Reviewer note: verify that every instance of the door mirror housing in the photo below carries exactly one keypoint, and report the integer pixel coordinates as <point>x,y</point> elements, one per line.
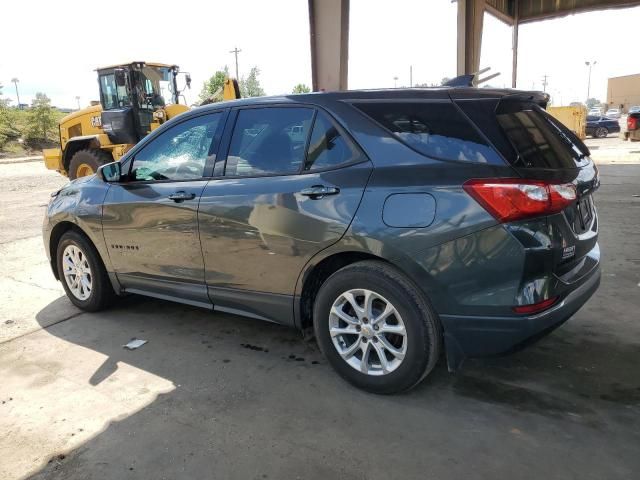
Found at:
<point>121,77</point>
<point>111,172</point>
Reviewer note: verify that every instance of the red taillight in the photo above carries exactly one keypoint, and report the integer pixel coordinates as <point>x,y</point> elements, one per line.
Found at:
<point>536,307</point>
<point>632,123</point>
<point>509,199</point>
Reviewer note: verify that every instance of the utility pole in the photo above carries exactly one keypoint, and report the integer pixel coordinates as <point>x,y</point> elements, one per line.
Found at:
<point>15,82</point>
<point>395,82</point>
<point>410,76</point>
<point>78,100</point>
<point>589,64</point>
<point>544,82</point>
<point>235,51</point>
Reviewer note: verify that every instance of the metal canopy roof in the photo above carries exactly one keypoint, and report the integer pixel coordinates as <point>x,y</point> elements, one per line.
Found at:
<point>532,10</point>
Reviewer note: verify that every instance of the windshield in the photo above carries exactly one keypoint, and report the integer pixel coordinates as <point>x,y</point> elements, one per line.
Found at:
<point>113,96</point>
<point>155,87</point>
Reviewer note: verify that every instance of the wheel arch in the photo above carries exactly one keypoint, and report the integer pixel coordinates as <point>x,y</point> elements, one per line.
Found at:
<point>54,239</point>
<point>316,274</point>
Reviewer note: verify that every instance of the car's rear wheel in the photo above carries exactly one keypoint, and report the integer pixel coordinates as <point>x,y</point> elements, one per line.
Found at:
<point>601,132</point>
<point>83,276</point>
<point>375,328</point>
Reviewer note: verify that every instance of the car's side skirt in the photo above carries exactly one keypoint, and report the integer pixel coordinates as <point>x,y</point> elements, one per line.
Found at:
<point>271,307</point>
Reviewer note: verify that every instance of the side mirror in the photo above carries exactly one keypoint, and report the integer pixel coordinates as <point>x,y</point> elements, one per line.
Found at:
<point>111,172</point>
<point>121,77</point>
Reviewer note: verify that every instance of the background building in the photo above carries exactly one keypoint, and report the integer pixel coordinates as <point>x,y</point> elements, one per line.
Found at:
<point>623,92</point>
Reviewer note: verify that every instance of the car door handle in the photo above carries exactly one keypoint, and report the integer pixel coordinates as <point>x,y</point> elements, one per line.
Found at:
<point>319,191</point>
<point>182,196</point>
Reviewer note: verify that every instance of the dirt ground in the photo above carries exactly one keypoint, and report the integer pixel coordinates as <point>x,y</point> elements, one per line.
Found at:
<point>220,396</point>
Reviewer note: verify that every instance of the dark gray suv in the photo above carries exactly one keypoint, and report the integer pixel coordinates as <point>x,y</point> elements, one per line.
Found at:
<point>397,224</point>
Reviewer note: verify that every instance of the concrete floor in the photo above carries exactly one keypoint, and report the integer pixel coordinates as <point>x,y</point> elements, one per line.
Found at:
<point>219,396</point>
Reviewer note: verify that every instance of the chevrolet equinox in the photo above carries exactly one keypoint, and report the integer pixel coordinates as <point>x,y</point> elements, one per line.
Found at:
<point>397,224</point>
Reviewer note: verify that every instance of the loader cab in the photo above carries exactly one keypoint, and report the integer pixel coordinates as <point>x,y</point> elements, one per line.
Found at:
<point>134,98</point>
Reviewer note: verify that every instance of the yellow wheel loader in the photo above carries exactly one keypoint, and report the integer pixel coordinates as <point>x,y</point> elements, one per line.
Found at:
<point>135,99</point>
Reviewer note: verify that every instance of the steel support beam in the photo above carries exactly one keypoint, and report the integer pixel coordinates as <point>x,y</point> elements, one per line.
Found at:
<point>470,20</point>
<point>514,45</point>
<point>329,34</point>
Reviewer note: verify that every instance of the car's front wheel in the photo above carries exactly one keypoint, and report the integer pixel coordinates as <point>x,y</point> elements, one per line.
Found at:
<point>375,328</point>
<point>83,276</point>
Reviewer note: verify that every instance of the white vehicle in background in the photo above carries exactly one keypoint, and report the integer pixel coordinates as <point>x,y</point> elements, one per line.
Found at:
<point>634,109</point>
<point>595,112</point>
<point>613,113</point>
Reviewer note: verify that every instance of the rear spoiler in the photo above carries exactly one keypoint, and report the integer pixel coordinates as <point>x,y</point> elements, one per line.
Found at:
<point>539,98</point>
<point>502,95</point>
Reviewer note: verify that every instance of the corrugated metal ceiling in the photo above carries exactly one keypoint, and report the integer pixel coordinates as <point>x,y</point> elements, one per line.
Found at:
<point>531,10</point>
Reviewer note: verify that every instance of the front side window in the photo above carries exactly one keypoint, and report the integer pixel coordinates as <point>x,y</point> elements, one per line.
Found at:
<point>435,129</point>
<point>268,141</point>
<point>327,147</point>
<point>179,153</point>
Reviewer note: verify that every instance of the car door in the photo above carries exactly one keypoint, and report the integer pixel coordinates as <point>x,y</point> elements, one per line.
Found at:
<point>292,182</point>
<point>150,218</point>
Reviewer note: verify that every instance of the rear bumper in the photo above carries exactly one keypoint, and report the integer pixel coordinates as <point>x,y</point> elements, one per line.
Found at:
<point>471,336</point>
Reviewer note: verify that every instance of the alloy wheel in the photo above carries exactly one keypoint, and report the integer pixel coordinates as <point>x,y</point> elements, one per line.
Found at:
<point>77,272</point>
<point>368,332</point>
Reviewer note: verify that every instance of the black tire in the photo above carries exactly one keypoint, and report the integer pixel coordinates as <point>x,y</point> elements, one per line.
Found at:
<point>93,158</point>
<point>102,294</point>
<point>601,132</point>
<point>423,332</point>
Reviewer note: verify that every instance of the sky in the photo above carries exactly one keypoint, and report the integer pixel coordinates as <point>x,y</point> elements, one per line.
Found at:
<point>54,47</point>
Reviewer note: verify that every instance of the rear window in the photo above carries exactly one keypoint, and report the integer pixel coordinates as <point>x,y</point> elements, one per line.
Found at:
<point>539,139</point>
<point>437,130</point>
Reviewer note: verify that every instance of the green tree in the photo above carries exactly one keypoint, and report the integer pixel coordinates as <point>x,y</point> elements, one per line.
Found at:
<point>8,130</point>
<point>301,88</point>
<point>592,102</point>
<point>250,86</point>
<point>212,89</point>
<point>41,119</point>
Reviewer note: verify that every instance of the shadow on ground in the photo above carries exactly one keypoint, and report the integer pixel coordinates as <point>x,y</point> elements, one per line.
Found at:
<point>254,400</point>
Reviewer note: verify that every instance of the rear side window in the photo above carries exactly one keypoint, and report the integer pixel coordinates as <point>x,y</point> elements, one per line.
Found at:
<point>327,147</point>
<point>269,141</point>
<point>539,140</point>
<point>437,130</point>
